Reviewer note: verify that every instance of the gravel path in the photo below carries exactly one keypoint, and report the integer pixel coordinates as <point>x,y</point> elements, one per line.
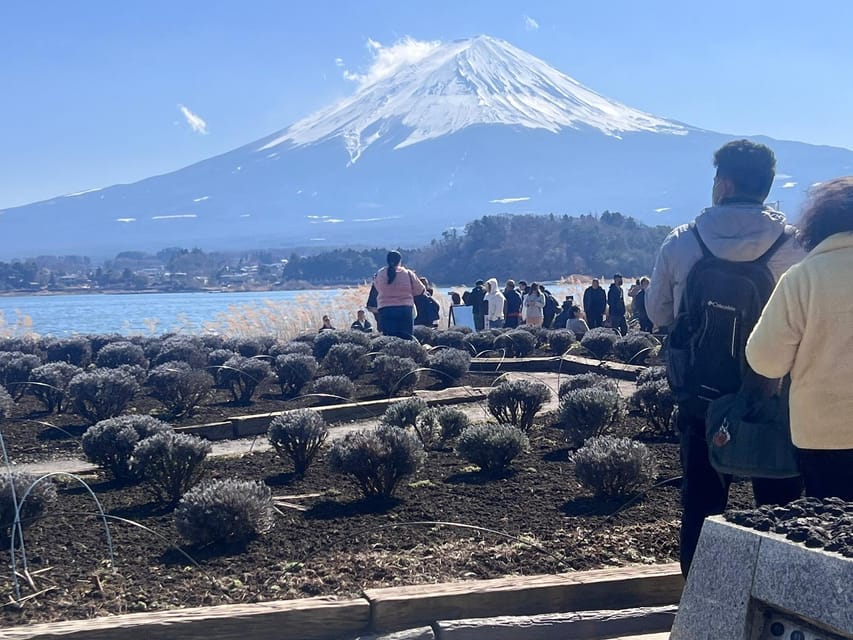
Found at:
<point>476,411</point>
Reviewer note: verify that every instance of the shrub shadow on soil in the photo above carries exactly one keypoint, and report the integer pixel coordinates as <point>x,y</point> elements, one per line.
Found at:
<point>172,556</point>
<point>281,480</point>
<point>331,510</point>
<point>478,477</point>
<point>557,455</point>
<point>591,506</point>
<point>70,432</point>
<point>135,512</point>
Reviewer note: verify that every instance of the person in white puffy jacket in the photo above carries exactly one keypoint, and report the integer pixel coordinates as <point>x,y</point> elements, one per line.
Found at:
<point>495,302</point>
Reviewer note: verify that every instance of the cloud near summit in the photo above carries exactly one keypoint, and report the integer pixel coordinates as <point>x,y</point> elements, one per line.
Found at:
<point>386,60</point>
<point>195,121</point>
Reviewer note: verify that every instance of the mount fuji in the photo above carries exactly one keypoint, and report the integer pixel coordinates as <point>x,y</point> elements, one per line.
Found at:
<point>473,127</point>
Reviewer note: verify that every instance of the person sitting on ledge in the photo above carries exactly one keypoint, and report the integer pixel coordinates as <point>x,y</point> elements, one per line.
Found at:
<point>327,325</point>
<point>362,323</point>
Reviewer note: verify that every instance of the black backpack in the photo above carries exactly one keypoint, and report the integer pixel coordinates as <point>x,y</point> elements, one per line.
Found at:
<point>721,305</point>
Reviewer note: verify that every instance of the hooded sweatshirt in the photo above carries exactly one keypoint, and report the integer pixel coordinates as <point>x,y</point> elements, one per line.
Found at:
<point>739,232</point>
<point>495,300</point>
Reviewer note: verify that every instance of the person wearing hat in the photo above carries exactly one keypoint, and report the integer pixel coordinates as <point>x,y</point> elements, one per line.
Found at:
<point>616,302</point>
<point>478,308</point>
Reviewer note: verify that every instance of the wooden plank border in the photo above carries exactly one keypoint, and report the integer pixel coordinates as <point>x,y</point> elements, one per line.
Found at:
<point>381,610</point>
<point>306,619</point>
<point>618,588</point>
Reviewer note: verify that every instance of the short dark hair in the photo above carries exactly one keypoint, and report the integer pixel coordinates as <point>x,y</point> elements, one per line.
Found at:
<point>749,166</point>
<point>828,211</point>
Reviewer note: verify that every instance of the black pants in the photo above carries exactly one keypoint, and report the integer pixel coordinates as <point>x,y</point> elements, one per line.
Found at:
<point>479,321</point>
<point>828,473</point>
<point>619,323</point>
<point>397,321</point>
<point>645,324</point>
<point>594,320</point>
<point>704,492</point>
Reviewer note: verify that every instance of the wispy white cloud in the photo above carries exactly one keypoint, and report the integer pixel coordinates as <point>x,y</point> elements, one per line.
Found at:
<point>530,24</point>
<point>662,209</point>
<point>789,185</point>
<point>175,217</point>
<point>385,60</point>
<point>195,121</point>
<point>339,62</point>
<point>509,200</point>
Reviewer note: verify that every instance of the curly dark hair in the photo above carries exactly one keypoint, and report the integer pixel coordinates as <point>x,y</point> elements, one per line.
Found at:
<point>828,211</point>
<point>749,166</point>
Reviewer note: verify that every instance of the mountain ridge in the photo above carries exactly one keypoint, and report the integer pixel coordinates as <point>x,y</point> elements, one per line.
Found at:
<point>509,135</point>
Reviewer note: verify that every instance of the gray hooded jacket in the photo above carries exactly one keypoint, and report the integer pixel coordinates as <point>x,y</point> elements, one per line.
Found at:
<point>740,232</point>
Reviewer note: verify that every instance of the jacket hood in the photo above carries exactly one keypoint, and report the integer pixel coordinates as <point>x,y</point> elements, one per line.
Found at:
<point>492,286</point>
<point>740,232</point>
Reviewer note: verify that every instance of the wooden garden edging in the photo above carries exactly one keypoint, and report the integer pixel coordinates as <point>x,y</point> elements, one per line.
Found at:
<point>558,364</point>
<point>257,424</point>
<point>620,588</point>
<point>380,610</point>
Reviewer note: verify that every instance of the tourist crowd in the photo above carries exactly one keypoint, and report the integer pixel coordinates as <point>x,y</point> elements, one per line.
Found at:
<point>758,317</point>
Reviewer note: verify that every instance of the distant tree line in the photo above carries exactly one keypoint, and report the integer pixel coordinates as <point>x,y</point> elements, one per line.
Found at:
<point>505,246</point>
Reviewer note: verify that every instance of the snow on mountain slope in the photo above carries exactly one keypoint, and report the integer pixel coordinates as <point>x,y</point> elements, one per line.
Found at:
<point>482,80</point>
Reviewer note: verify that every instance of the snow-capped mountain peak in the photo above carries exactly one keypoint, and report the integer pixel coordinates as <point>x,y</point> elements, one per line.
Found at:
<point>458,84</point>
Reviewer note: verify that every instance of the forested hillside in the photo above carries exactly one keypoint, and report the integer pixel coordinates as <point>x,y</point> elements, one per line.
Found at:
<point>506,246</point>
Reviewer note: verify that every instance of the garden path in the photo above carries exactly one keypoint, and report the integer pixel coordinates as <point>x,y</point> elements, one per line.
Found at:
<point>475,411</point>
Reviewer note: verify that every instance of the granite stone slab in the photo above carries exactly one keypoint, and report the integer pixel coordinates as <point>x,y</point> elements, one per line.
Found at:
<point>715,601</point>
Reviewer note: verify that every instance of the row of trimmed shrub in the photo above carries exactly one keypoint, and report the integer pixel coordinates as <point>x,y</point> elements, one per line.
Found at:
<point>182,387</point>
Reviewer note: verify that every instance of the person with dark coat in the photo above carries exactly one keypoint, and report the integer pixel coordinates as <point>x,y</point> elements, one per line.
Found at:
<point>639,306</point>
<point>427,310</point>
<point>551,309</point>
<point>327,325</point>
<point>476,300</point>
<point>616,302</point>
<point>362,323</point>
<point>594,304</point>
<point>512,306</point>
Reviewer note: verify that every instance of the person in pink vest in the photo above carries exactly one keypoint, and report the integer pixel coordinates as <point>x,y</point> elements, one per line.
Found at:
<point>396,289</point>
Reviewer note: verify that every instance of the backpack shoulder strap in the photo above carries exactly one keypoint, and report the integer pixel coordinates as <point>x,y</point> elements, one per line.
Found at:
<point>787,234</point>
<point>706,252</point>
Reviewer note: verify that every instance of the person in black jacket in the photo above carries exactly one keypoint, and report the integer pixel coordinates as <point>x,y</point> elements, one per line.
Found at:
<point>594,304</point>
<point>512,306</point>
<point>552,307</point>
<point>427,310</point>
<point>616,302</point>
<point>639,306</point>
<point>478,308</point>
<point>362,323</point>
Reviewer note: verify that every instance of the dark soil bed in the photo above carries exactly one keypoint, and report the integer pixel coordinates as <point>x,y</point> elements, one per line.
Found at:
<point>34,435</point>
<point>341,545</point>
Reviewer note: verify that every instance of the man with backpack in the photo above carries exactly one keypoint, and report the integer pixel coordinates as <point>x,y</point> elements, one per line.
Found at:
<point>711,280</point>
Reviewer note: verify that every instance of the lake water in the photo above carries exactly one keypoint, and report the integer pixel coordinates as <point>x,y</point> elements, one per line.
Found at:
<point>137,313</point>
<point>150,313</point>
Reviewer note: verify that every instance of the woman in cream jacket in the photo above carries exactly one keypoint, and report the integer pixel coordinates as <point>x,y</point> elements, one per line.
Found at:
<point>806,330</point>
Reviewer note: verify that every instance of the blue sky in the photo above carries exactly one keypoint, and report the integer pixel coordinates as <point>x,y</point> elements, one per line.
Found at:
<point>92,89</point>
